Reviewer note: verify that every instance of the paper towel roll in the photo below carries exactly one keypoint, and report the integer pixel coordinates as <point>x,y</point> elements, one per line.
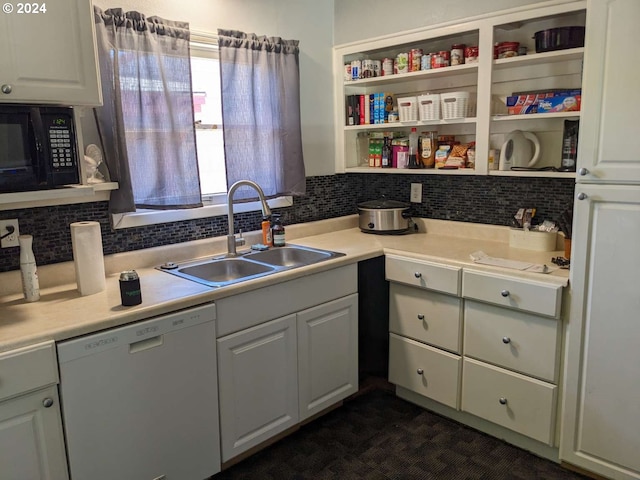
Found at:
<point>88,260</point>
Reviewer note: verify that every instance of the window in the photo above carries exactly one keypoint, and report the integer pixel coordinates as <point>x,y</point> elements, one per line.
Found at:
<point>207,110</point>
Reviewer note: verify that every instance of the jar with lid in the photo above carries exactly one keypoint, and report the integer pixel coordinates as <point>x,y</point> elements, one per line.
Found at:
<point>457,54</point>
<point>277,232</point>
<point>471,54</point>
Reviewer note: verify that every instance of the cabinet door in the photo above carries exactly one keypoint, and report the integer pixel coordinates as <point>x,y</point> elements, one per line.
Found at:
<point>327,354</point>
<point>258,384</point>
<point>55,65</point>
<point>31,442</point>
<point>601,382</point>
<point>608,147</point>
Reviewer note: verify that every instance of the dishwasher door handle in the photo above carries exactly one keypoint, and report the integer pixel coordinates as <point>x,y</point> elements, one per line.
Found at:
<point>146,344</point>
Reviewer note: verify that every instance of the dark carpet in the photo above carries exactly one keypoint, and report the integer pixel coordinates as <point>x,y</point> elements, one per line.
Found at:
<point>379,436</point>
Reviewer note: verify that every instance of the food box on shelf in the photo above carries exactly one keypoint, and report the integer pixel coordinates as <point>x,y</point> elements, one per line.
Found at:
<point>523,103</point>
<point>564,103</point>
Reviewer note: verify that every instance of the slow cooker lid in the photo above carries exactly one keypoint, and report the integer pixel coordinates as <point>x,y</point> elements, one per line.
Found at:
<point>383,203</point>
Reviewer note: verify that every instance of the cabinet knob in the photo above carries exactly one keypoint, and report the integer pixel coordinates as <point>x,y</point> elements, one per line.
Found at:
<point>583,171</point>
<point>503,401</point>
<point>420,371</point>
<point>420,316</point>
<point>6,88</point>
<point>417,275</point>
<point>47,402</point>
<point>582,196</point>
<point>504,293</point>
<point>506,340</point>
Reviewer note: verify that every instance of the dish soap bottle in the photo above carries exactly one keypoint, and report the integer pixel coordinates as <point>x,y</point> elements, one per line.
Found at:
<point>28,269</point>
<point>266,231</point>
<point>277,232</point>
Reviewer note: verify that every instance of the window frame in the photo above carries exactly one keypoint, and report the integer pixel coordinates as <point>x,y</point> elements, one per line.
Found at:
<point>213,205</point>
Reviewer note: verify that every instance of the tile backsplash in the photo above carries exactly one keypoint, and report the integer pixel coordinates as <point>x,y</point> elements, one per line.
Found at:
<point>477,199</point>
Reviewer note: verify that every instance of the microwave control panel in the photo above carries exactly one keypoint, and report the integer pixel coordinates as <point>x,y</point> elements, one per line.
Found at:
<point>62,155</point>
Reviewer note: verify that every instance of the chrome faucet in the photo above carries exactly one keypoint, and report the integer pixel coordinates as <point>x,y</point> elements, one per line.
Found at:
<point>232,241</point>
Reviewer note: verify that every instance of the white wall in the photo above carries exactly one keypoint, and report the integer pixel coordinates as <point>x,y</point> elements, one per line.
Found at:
<point>362,19</point>
<point>309,21</point>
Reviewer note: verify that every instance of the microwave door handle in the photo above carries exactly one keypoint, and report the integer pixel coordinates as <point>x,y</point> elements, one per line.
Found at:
<point>38,130</point>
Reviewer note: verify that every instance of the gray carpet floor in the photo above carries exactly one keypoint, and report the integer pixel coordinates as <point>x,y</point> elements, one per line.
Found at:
<point>379,436</point>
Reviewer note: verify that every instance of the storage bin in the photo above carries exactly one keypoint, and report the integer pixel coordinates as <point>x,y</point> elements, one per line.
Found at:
<point>454,105</point>
<point>408,109</point>
<point>429,107</point>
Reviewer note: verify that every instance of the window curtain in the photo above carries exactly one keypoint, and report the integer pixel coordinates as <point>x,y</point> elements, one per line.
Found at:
<point>146,122</point>
<point>260,82</point>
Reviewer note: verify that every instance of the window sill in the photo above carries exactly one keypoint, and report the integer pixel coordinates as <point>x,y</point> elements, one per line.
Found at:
<point>153,217</point>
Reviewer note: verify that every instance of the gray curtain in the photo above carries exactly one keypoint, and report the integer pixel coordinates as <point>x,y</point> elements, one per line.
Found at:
<point>260,81</point>
<point>146,122</point>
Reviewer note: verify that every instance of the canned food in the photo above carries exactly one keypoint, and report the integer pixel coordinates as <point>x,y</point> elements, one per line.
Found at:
<point>471,54</point>
<point>347,72</point>
<point>367,69</point>
<point>387,66</point>
<point>356,66</point>
<point>425,61</point>
<point>457,54</point>
<point>415,56</point>
<point>440,59</point>
<point>377,68</point>
<point>402,63</point>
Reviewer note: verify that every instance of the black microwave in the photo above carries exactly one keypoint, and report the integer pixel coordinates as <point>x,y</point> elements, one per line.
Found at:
<point>38,148</point>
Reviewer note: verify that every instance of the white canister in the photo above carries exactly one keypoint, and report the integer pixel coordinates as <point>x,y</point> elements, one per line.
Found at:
<point>28,269</point>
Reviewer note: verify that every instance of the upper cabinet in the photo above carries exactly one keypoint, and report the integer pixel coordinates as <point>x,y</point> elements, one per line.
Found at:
<point>609,150</point>
<point>466,102</point>
<point>48,53</point>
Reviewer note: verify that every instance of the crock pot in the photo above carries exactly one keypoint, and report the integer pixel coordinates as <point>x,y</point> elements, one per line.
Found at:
<point>559,38</point>
<point>384,216</point>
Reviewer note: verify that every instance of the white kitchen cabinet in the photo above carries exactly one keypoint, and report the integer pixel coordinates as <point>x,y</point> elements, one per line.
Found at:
<point>608,149</point>
<point>31,438</point>
<point>257,373</point>
<point>327,354</point>
<point>49,54</point>
<point>601,413</point>
<point>488,83</point>
<point>286,352</point>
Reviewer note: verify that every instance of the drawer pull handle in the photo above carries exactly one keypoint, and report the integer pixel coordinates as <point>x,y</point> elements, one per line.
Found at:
<point>47,402</point>
<point>420,316</point>
<point>417,275</point>
<point>420,371</point>
<point>504,293</point>
<point>506,340</point>
<point>503,401</point>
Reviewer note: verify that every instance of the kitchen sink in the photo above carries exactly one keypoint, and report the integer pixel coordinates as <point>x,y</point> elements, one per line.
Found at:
<point>222,271</point>
<point>292,256</point>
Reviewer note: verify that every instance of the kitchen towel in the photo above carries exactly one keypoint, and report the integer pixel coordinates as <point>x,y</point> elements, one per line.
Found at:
<point>88,260</point>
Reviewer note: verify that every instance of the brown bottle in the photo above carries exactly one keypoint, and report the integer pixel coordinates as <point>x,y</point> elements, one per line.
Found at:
<point>277,232</point>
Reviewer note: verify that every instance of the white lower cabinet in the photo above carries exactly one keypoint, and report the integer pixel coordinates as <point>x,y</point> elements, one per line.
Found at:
<point>273,374</point>
<point>258,384</point>
<point>31,438</point>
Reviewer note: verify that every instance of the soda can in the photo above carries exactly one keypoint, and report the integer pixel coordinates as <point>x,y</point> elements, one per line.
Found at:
<point>356,66</point>
<point>347,72</point>
<point>387,66</point>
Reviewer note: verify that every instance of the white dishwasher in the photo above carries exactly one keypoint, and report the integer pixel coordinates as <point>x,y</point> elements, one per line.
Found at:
<point>140,402</point>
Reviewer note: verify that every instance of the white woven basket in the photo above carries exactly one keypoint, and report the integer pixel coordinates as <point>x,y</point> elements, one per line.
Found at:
<point>454,105</point>
<point>429,107</point>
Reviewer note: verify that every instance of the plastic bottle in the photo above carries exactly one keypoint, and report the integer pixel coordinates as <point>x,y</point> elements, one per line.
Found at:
<point>277,232</point>
<point>266,231</point>
<point>413,149</point>
<point>28,269</point>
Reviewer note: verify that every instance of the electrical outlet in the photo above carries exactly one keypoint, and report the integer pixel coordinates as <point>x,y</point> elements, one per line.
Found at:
<point>10,240</point>
<point>416,193</point>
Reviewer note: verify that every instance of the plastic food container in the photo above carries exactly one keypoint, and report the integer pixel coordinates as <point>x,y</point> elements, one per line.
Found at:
<point>508,49</point>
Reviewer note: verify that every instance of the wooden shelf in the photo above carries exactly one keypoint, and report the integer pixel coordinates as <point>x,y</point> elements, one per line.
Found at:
<point>387,126</point>
<point>536,116</point>
<point>539,58</point>
<point>57,196</point>
<point>421,74</point>
<point>411,171</point>
<point>536,173</point>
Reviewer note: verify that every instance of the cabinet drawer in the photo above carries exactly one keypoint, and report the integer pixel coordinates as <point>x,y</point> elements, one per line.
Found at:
<point>517,402</point>
<point>423,274</point>
<point>425,370</point>
<point>527,295</point>
<point>516,340</point>
<point>426,316</point>
<point>27,368</point>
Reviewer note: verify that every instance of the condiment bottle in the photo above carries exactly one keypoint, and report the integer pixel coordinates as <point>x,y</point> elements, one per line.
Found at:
<point>266,231</point>
<point>413,149</point>
<point>277,232</point>
<point>28,269</point>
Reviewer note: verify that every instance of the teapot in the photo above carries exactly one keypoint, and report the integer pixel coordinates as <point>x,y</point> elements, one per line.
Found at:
<point>521,149</point>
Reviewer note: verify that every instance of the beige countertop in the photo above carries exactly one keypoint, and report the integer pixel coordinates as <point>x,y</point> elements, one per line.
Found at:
<point>62,313</point>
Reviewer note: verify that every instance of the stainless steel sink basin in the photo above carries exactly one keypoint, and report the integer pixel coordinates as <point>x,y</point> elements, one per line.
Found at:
<point>292,256</point>
<point>220,272</point>
<point>223,271</point>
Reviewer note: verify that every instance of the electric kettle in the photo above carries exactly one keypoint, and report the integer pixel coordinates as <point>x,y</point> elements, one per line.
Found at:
<point>521,149</point>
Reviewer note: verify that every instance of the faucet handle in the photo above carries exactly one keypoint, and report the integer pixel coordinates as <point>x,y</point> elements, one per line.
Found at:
<point>240,239</point>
